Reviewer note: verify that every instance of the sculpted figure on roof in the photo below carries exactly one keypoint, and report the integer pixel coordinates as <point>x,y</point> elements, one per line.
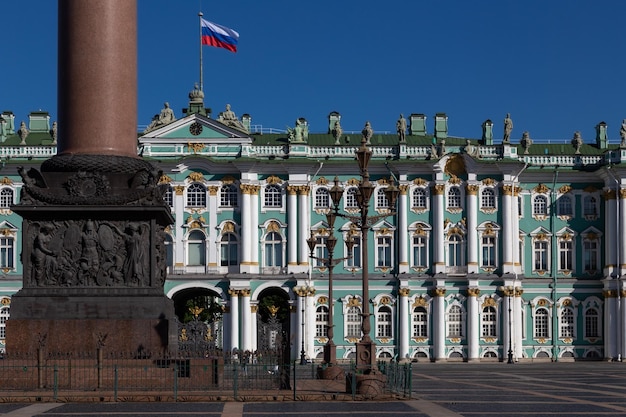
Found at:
<point>622,133</point>
<point>367,132</point>
<point>577,142</point>
<point>229,118</point>
<point>166,116</point>
<point>401,128</point>
<point>23,133</point>
<point>508,128</point>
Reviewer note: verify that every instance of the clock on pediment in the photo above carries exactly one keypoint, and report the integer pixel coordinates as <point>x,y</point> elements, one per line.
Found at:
<point>195,128</point>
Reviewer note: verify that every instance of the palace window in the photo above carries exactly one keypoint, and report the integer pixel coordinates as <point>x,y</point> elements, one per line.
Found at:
<point>196,248</point>
<point>381,199</point>
<point>229,196</point>
<point>567,322</point>
<point>6,198</point>
<point>590,206</point>
<point>383,251</point>
<point>4,316</point>
<point>489,323</point>
<point>418,200</point>
<point>321,251</point>
<point>565,255</point>
<point>488,198</point>
<point>354,257</point>
<point>169,252</point>
<point>455,321</point>
<point>322,198</point>
<point>564,206</point>
<point>541,254</point>
<point>419,251</point>
<point>273,250</point>
<point>273,197</point>
<point>321,321</point>
<point>454,197</point>
<point>351,202</point>
<point>488,251</point>
<point>420,322</point>
<point>229,250</point>
<point>541,323</point>
<point>7,252</point>
<point>591,255</point>
<point>383,322</point>
<point>353,322</point>
<point>196,195</point>
<point>592,323</point>
<point>168,196</point>
<point>540,205</point>
<point>455,250</point>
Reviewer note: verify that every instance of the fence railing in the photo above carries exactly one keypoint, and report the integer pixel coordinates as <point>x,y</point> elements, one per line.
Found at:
<point>176,378</point>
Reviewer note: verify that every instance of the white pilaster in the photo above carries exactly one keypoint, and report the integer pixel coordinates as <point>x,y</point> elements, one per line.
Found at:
<point>212,243</point>
<point>292,227</point>
<point>246,228</point>
<point>246,320</point>
<point>253,323</point>
<point>310,324</point>
<point>517,324</point>
<point>473,324</point>
<point>610,322</point>
<point>254,229</point>
<point>234,319</point>
<point>472,224</point>
<point>438,238</point>
<point>508,217</point>
<point>403,230</point>
<point>439,325</point>
<point>304,225</point>
<point>404,324</point>
<point>611,234</point>
<point>179,217</point>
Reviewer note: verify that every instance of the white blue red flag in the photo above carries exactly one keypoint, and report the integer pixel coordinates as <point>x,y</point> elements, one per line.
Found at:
<point>219,36</point>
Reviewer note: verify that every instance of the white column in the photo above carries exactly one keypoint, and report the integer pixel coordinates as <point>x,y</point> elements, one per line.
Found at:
<point>253,323</point>
<point>472,224</point>
<point>611,233</point>
<point>610,322</point>
<point>212,243</point>
<point>517,262</point>
<point>246,228</point>
<point>473,324</point>
<point>508,243</point>
<point>254,230</point>
<point>234,319</point>
<point>517,324</point>
<point>310,324</point>
<point>438,238</point>
<point>300,335</point>
<point>621,206</point>
<point>179,217</point>
<point>246,321</point>
<point>305,223</point>
<point>403,230</point>
<point>439,325</point>
<point>292,227</point>
<point>508,294</point>
<point>404,324</point>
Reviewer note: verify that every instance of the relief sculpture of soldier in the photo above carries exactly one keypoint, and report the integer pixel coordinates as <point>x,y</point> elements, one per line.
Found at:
<point>44,259</point>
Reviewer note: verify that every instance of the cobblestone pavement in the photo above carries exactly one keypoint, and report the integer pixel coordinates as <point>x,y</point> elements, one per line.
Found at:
<point>440,390</point>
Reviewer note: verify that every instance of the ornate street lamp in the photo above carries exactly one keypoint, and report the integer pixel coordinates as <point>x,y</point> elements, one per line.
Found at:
<point>330,349</point>
<point>365,348</point>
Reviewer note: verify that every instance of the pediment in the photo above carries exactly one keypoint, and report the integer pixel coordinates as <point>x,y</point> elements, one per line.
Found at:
<point>198,129</point>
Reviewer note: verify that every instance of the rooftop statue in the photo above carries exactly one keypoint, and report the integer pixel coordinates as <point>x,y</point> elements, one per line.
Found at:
<point>508,128</point>
<point>367,133</point>
<point>337,132</point>
<point>229,118</point>
<point>577,142</point>
<point>622,134</point>
<point>23,133</point>
<point>166,116</point>
<point>53,133</point>
<point>401,128</point>
<point>300,133</point>
<point>526,142</point>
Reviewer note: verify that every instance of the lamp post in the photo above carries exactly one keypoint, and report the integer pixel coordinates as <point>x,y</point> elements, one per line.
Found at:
<point>365,348</point>
<point>330,349</point>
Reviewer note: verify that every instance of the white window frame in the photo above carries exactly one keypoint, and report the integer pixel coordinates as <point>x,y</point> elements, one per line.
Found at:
<point>202,247</point>
<point>542,324</point>
<point>419,199</point>
<point>384,322</point>
<point>567,322</point>
<point>419,322</point>
<point>229,196</point>
<point>455,328</point>
<point>273,197</point>
<point>322,198</point>
<point>196,195</point>
<point>489,322</point>
<point>321,321</point>
<point>540,206</point>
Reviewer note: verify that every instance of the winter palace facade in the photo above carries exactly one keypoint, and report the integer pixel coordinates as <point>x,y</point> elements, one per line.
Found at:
<point>495,249</point>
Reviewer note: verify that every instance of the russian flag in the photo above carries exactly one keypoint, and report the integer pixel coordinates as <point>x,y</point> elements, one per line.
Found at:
<point>219,36</point>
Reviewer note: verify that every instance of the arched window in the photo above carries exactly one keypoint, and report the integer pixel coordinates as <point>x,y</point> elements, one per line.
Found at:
<point>488,198</point>
<point>383,251</point>
<point>196,248</point>
<point>353,322</point>
<point>354,257</point>
<point>169,252</point>
<point>455,321</point>
<point>418,200</point>
<point>229,250</point>
<point>542,323</point>
<point>454,197</point>
<point>567,322</point>
<point>419,246</point>
<point>351,202</point>
<point>488,251</point>
<point>273,250</point>
<point>455,250</point>
<point>322,198</point>
<point>420,322</point>
<point>6,197</point>
<point>273,196</point>
<point>592,323</point>
<point>383,322</point>
<point>590,206</point>
<point>196,195</point>
<point>488,325</point>
<point>229,196</point>
<point>540,205</point>
<point>381,199</point>
<point>321,321</point>
<point>564,206</point>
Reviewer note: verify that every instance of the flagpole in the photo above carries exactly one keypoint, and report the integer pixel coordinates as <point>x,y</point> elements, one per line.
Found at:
<point>200,22</point>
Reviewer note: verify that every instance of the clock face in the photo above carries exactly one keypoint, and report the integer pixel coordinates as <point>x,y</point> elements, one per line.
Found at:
<point>195,128</point>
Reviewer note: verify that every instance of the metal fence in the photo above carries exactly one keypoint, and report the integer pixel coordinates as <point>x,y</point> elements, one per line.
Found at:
<point>205,377</point>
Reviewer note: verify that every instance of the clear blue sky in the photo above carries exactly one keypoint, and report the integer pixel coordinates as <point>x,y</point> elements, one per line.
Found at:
<point>556,66</point>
